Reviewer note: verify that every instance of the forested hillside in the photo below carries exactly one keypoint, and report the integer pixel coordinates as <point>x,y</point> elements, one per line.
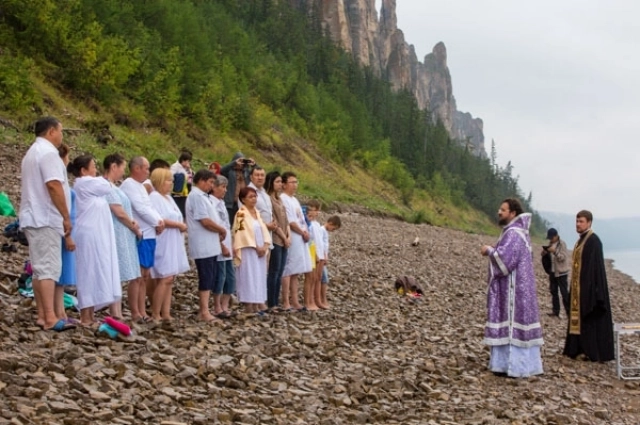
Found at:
<point>255,74</point>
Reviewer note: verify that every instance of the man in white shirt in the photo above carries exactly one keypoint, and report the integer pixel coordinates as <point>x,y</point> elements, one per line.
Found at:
<point>44,216</point>
<point>205,235</point>
<point>263,205</point>
<point>150,224</point>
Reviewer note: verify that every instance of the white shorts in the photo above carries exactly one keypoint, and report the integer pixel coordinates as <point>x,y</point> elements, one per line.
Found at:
<point>45,252</point>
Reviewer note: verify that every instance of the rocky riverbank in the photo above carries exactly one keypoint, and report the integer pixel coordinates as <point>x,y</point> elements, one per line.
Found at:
<point>376,357</point>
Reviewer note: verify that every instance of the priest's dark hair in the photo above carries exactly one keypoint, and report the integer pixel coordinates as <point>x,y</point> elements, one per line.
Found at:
<point>586,214</point>
<point>514,205</point>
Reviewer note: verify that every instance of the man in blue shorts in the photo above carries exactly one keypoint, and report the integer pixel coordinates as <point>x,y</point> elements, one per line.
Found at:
<point>151,224</point>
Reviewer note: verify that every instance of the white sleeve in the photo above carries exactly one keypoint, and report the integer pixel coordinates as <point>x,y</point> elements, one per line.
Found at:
<point>141,204</point>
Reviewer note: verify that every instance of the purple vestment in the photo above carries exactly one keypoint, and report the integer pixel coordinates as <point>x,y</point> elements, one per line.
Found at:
<point>512,303</point>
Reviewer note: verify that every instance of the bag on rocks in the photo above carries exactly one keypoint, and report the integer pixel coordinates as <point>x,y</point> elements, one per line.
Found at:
<point>408,285</point>
<point>24,281</point>
<point>6,208</point>
<point>13,232</point>
<point>546,263</point>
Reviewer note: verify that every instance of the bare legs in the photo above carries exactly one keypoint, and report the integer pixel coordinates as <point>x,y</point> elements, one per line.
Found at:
<point>204,314</point>
<point>317,286</point>
<point>87,317</point>
<point>137,293</point>
<point>58,303</point>
<point>290,292</point>
<point>221,303</point>
<point>323,295</point>
<point>286,304</point>
<point>309,289</point>
<point>44,293</point>
<point>115,310</point>
<point>161,301</point>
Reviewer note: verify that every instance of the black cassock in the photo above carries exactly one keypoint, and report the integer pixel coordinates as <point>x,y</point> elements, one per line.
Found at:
<point>596,325</point>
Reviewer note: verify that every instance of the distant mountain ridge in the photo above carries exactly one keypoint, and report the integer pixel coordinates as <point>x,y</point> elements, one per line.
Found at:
<point>380,44</point>
<point>616,233</point>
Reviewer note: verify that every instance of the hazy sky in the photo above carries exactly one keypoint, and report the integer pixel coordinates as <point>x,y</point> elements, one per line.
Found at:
<point>557,84</point>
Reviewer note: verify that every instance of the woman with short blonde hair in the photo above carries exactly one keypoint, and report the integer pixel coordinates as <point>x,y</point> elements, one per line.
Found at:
<point>170,256</point>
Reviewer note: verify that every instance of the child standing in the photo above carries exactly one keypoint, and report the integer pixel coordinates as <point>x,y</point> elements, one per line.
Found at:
<point>313,209</point>
<point>333,223</point>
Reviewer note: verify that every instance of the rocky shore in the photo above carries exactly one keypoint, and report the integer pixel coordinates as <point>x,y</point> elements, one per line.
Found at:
<point>375,357</point>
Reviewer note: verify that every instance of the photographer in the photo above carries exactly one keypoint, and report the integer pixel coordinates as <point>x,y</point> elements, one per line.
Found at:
<point>557,252</point>
<point>238,173</point>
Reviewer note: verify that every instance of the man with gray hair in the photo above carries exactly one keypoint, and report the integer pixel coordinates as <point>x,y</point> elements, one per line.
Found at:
<point>44,216</point>
<point>151,224</point>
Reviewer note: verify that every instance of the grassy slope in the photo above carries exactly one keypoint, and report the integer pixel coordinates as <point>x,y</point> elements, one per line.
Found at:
<point>274,147</point>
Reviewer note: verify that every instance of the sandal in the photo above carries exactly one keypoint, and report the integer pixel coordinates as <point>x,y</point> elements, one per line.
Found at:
<point>143,320</point>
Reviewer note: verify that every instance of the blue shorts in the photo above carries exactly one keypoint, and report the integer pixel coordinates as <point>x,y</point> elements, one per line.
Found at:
<point>226,279</point>
<point>207,273</point>
<point>325,276</point>
<point>146,252</point>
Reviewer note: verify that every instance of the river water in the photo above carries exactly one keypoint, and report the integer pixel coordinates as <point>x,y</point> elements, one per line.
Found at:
<point>627,261</point>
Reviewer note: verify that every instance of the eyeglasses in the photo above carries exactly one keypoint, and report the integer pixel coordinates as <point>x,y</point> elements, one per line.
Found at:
<point>292,181</point>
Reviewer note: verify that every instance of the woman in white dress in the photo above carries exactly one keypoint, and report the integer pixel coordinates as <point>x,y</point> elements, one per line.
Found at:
<point>97,270</point>
<point>125,227</point>
<point>251,242</point>
<point>171,255</point>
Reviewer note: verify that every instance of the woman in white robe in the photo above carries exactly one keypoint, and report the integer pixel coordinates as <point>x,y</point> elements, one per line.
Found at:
<point>97,270</point>
<point>251,242</point>
<point>170,255</point>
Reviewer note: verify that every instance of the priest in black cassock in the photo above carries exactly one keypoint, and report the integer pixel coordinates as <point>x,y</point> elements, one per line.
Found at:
<point>590,330</point>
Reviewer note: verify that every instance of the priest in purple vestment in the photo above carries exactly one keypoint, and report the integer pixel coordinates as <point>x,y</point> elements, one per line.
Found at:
<point>513,328</point>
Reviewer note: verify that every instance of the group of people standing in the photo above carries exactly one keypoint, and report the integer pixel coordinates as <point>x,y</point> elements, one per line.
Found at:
<point>513,329</point>
<point>99,234</point>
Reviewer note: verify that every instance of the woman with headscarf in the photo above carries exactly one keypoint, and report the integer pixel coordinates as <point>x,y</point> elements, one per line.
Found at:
<point>251,242</point>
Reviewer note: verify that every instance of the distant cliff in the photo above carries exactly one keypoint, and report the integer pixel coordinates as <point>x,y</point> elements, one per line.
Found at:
<point>380,44</point>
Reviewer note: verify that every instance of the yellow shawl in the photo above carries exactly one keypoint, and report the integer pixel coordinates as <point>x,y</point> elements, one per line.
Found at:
<point>243,235</point>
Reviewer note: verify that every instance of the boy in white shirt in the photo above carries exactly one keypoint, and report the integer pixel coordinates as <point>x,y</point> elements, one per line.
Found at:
<point>313,209</point>
<point>333,223</point>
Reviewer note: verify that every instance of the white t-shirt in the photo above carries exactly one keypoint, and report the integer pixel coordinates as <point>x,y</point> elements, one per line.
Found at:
<point>40,165</point>
<point>263,205</point>
<point>203,243</point>
<point>143,211</point>
<point>316,231</point>
<point>223,214</point>
<point>294,211</point>
<point>325,241</point>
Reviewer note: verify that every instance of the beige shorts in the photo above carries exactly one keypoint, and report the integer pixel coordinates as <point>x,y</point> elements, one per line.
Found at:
<point>45,252</point>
